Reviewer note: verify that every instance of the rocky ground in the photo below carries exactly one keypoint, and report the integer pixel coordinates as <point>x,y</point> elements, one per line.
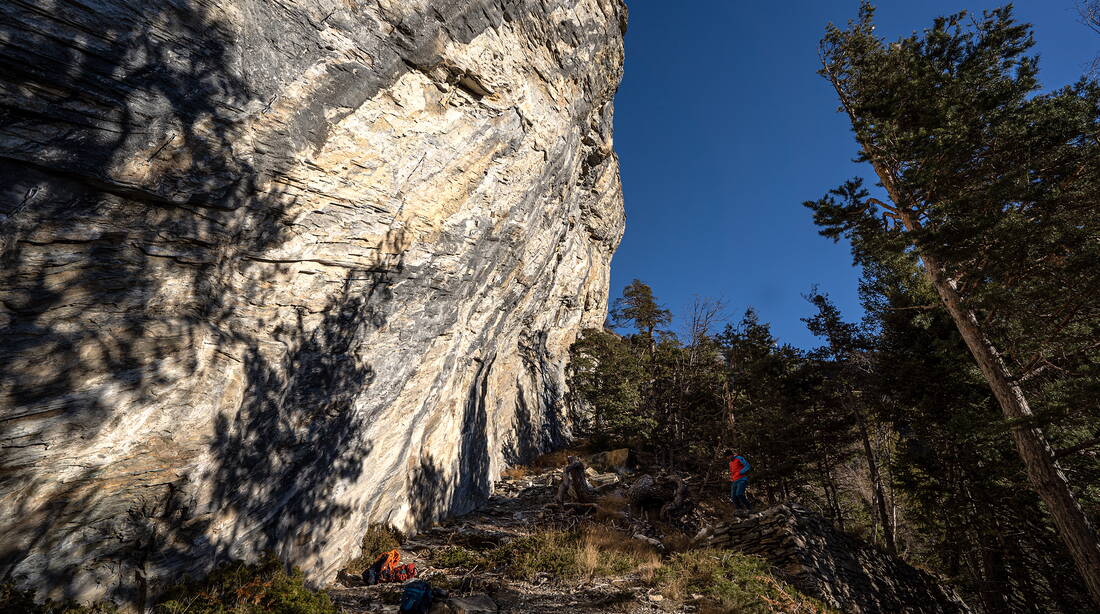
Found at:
<point>516,509</point>
<point>647,545</point>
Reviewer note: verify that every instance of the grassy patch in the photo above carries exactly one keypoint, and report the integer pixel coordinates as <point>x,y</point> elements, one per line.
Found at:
<point>376,540</point>
<point>457,556</point>
<point>237,588</point>
<point>551,552</point>
<point>592,551</point>
<point>603,551</point>
<point>735,582</point>
<point>14,600</point>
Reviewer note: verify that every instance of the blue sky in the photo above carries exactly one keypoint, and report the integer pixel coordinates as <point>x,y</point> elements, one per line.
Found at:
<point>723,129</point>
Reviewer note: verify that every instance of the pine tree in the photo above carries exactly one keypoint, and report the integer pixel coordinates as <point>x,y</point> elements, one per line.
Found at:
<point>639,309</point>
<point>964,512</point>
<point>849,365</point>
<point>995,189</point>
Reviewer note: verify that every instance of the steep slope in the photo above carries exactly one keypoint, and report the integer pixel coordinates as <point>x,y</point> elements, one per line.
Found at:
<point>273,271</point>
<point>842,571</point>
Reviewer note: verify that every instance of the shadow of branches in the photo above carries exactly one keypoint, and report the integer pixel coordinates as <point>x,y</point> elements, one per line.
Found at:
<point>298,437</point>
<point>127,205</point>
<point>431,492</point>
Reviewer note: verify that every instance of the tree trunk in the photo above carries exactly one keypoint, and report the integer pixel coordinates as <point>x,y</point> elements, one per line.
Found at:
<point>1042,469</point>
<point>831,496</point>
<point>995,586</point>
<point>876,483</point>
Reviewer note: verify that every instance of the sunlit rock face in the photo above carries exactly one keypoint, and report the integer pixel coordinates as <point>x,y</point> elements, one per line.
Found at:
<point>272,271</point>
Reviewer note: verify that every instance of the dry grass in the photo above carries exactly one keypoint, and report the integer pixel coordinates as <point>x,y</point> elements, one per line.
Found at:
<point>733,582</point>
<point>553,460</point>
<point>677,541</point>
<point>590,552</point>
<point>550,460</point>
<point>517,472</point>
<point>611,507</point>
<point>603,551</point>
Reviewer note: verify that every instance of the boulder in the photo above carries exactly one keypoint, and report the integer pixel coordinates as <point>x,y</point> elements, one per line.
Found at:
<point>618,461</point>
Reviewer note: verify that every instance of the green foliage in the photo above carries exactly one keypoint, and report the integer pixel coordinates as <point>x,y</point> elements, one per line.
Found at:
<point>607,374</point>
<point>591,550</point>
<point>376,540</point>
<point>550,552</point>
<point>997,185</point>
<point>457,556</point>
<point>741,583</point>
<point>22,602</point>
<point>956,469</point>
<point>236,588</point>
<point>652,392</point>
<point>638,308</point>
<point>992,190</point>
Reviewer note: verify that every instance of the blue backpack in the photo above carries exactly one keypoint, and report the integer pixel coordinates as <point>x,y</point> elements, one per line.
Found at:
<point>417,598</point>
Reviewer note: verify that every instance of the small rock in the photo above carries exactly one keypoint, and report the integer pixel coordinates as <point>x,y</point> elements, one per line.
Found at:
<point>656,597</point>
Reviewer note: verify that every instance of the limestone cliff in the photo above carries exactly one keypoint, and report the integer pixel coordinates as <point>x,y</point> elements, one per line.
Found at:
<point>272,271</point>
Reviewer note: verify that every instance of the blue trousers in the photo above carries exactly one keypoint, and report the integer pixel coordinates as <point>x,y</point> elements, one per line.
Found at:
<point>737,494</point>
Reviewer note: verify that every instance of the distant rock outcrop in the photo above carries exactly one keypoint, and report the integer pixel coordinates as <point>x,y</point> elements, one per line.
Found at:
<point>272,271</point>
<point>840,570</point>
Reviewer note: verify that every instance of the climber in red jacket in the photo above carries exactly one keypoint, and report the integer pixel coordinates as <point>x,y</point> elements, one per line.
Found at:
<point>739,480</point>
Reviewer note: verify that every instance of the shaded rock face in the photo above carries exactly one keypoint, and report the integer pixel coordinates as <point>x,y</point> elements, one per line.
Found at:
<point>842,571</point>
<point>272,271</point>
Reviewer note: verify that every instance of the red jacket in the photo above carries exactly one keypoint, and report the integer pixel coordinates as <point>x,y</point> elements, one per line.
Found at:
<point>739,468</point>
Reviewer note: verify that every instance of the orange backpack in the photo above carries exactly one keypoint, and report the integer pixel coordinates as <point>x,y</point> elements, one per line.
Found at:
<point>391,569</point>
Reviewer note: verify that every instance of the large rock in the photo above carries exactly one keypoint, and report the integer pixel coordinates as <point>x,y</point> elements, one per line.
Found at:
<point>842,571</point>
<point>272,271</point>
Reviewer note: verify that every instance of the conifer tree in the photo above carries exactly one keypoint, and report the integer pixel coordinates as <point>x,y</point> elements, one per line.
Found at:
<point>639,309</point>
<point>995,189</point>
<point>849,364</point>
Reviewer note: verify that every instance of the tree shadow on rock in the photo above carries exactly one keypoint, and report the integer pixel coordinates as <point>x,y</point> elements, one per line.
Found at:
<point>124,203</point>
<point>281,460</point>
<point>433,490</point>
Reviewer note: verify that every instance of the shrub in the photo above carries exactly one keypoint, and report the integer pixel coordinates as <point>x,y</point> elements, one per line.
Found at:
<point>457,556</point>
<point>737,582</point>
<point>376,540</point>
<point>263,588</point>
<point>592,551</point>
<point>551,552</point>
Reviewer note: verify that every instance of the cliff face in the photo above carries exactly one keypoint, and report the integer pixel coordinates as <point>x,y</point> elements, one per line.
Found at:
<point>272,271</point>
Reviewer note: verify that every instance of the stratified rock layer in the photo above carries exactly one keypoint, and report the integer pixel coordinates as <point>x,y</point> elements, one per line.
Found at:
<point>272,271</point>
<point>842,571</point>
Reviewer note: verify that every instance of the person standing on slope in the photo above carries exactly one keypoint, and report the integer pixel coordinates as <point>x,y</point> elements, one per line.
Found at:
<point>739,480</point>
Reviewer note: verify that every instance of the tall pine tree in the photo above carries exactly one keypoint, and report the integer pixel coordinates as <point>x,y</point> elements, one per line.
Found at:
<point>995,189</point>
